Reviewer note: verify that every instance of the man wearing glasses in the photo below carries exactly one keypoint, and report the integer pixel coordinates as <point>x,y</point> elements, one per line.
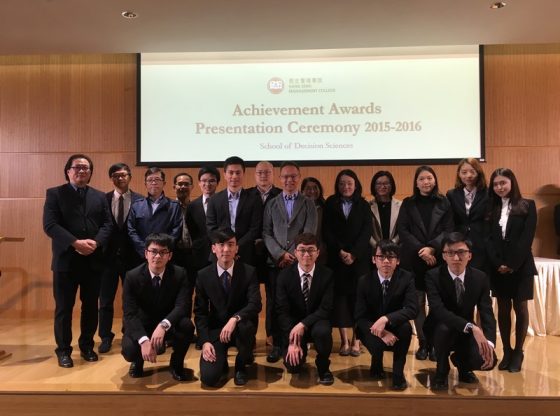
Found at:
<point>77,219</point>
<point>285,217</point>
<point>157,308</point>
<point>120,252</point>
<point>304,301</point>
<point>386,302</point>
<point>454,289</point>
<point>154,214</point>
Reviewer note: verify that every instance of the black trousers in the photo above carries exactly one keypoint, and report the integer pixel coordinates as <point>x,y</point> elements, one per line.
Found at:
<point>376,346</point>
<point>271,323</point>
<point>109,283</point>
<point>446,340</point>
<point>65,287</point>
<point>181,334</point>
<point>243,338</point>
<point>321,335</point>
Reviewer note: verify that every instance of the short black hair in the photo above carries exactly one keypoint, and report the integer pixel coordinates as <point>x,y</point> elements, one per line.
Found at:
<point>454,238</point>
<point>71,160</point>
<point>380,174</point>
<point>289,163</point>
<point>387,247</point>
<point>306,239</point>
<point>211,170</point>
<point>161,239</point>
<point>182,174</point>
<point>234,160</point>
<point>119,166</point>
<point>221,235</point>
<point>154,169</point>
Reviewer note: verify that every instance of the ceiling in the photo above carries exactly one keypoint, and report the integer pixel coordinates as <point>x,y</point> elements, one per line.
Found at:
<point>96,26</point>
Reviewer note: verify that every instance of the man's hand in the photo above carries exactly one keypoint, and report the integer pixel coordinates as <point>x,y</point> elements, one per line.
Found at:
<point>503,269</point>
<point>484,348</point>
<point>208,352</point>
<point>157,337</point>
<point>294,354</point>
<point>427,254</point>
<point>286,260</point>
<point>296,334</point>
<point>148,352</point>
<point>85,247</point>
<point>346,257</point>
<point>378,327</point>
<point>227,330</point>
<point>389,338</point>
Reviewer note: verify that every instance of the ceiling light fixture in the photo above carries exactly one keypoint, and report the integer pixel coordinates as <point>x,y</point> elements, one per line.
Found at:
<point>498,5</point>
<point>129,15</point>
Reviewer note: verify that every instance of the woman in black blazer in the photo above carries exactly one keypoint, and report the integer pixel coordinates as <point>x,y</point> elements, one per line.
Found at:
<point>347,229</point>
<point>423,219</point>
<point>513,221</point>
<point>469,201</point>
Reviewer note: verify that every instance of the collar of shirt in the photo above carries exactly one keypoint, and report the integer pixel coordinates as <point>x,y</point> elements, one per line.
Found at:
<point>75,187</point>
<point>153,274</point>
<point>382,279</point>
<point>461,276</point>
<point>157,201</point>
<point>302,272</point>
<point>221,271</point>
<point>290,197</point>
<point>230,194</point>
<point>505,201</point>
<point>264,192</point>
<point>117,194</point>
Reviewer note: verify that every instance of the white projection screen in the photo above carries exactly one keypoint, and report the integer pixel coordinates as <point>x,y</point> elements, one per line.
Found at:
<point>320,107</point>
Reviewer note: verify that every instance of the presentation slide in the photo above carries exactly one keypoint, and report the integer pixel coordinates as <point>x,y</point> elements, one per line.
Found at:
<point>360,106</point>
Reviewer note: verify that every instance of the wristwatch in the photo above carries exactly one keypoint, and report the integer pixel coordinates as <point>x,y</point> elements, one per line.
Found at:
<point>237,318</point>
<point>469,327</point>
<point>165,325</point>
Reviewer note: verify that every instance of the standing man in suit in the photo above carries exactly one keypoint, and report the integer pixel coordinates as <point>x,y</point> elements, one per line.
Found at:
<point>154,214</point>
<point>454,289</point>
<point>227,306</point>
<point>182,185</point>
<point>157,308</point>
<point>386,302</point>
<point>304,301</point>
<point>77,219</point>
<point>238,209</point>
<point>286,216</point>
<point>120,255</point>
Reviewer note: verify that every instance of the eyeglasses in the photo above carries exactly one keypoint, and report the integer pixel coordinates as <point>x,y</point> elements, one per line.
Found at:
<point>154,180</point>
<point>185,184</point>
<point>80,168</point>
<point>383,257</point>
<point>263,172</point>
<point>452,253</point>
<point>161,253</point>
<point>287,177</point>
<point>119,175</point>
<point>304,251</point>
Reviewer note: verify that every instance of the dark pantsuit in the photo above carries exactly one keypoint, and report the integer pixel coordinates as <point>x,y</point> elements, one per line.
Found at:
<point>321,336</point>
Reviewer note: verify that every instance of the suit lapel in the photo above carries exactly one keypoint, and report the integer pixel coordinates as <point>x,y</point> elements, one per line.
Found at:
<point>394,215</point>
<point>417,219</point>
<point>298,205</point>
<point>437,213</point>
<point>448,284</point>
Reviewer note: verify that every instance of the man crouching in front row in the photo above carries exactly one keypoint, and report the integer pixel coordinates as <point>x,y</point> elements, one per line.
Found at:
<point>156,305</point>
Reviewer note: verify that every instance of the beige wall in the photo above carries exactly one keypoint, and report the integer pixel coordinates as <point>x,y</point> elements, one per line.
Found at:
<point>56,105</point>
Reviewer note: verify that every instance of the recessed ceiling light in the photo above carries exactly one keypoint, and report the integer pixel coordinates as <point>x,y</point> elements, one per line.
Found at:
<point>498,5</point>
<point>129,15</point>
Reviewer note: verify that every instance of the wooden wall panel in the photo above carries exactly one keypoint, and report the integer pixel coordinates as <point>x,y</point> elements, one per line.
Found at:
<point>55,105</point>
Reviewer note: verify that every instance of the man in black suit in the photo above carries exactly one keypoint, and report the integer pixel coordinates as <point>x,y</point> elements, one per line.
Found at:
<point>454,289</point>
<point>304,301</point>
<point>386,302</point>
<point>238,209</point>
<point>227,305</point>
<point>120,256</point>
<point>157,305</point>
<point>77,219</point>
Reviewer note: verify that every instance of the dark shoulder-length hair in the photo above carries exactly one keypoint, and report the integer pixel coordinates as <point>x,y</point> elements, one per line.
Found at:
<point>349,172</point>
<point>419,170</point>
<point>519,206</point>
<point>378,175</point>
<point>321,199</point>
<point>480,178</point>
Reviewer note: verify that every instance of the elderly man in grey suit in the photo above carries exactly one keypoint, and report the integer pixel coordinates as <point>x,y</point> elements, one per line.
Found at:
<point>286,216</point>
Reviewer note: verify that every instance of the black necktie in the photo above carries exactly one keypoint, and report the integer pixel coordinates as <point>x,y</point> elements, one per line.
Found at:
<point>385,287</point>
<point>156,282</point>
<point>459,290</point>
<point>225,282</point>
<point>82,192</point>
<point>305,287</point>
<point>120,213</point>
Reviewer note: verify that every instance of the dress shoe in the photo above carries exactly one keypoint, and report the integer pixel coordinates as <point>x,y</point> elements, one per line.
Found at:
<point>136,369</point>
<point>376,373</point>
<point>344,350</point>
<point>274,355</point>
<point>516,361</point>
<point>89,355</point>
<point>65,361</point>
<point>467,377</point>
<point>506,359</point>
<point>326,379</point>
<point>399,383</point>
<point>432,354</point>
<point>440,383</point>
<point>179,374</point>
<point>422,353</point>
<point>355,353</point>
<point>105,345</point>
<point>240,378</point>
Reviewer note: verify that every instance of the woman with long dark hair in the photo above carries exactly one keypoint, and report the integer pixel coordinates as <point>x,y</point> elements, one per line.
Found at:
<point>423,219</point>
<point>469,200</point>
<point>347,230</point>
<point>513,221</point>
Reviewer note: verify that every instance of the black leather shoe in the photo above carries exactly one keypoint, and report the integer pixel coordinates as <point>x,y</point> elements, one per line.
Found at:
<point>467,377</point>
<point>377,373</point>
<point>89,355</point>
<point>105,345</point>
<point>506,360</point>
<point>65,361</point>
<point>136,369</point>
<point>179,374</point>
<point>440,383</point>
<point>422,353</point>
<point>326,379</point>
<point>399,383</point>
<point>240,378</point>
<point>516,361</point>
<point>432,354</point>
<point>274,355</point>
